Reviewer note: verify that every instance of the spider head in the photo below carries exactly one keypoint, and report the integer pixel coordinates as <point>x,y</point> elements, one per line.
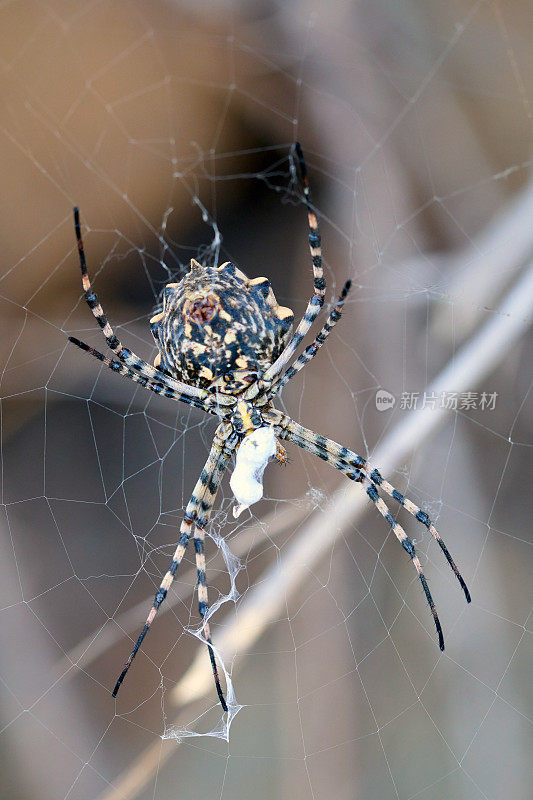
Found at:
<point>219,330</point>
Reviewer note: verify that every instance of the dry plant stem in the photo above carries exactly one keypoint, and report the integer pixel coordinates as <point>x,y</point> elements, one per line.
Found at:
<point>267,600</point>
<point>492,259</point>
<point>470,364</point>
<point>92,647</point>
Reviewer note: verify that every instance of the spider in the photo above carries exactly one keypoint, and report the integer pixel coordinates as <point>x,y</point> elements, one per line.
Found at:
<point>224,344</point>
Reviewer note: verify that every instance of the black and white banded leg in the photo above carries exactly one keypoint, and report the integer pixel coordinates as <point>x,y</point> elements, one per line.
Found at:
<point>422,517</point>
<point>204,492</point>
<point>127,357</point>
<point>202,519</point>
<point>351,459</point>
<point>317,300</point>
<point>356,469</point>
<point>310,352</point>
<point>155,386</point>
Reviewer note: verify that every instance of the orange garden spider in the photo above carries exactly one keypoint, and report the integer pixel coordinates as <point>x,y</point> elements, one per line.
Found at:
<point>224,344</point>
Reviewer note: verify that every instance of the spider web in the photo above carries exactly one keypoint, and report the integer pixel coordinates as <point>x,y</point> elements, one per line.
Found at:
<point>170,125</point>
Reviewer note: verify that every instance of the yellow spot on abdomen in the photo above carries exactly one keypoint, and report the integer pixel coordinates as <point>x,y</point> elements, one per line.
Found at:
<point>242,408</point>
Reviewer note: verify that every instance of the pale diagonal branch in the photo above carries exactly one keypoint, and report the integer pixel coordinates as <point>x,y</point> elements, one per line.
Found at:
<point>474,361</point>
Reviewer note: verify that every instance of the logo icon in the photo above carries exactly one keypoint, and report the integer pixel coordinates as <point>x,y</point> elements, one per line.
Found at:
<point>384,400</point>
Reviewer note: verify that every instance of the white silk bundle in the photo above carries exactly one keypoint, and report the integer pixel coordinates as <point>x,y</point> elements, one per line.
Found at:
<point>254,453</point>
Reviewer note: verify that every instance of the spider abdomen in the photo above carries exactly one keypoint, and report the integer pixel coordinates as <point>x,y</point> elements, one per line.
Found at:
<point>218,330</point>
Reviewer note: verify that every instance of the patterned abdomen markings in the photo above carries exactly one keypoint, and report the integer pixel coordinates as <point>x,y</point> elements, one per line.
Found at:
<point>219,330</point>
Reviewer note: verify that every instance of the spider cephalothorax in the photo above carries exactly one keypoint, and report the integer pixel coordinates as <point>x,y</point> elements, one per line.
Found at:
<point>224,346</point>
<point>218,329</point>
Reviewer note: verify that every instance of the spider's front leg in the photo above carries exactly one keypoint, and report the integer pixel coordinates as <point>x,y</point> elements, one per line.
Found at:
<point>356,469</point>
<point>197,513</point>
<point>211,481</point>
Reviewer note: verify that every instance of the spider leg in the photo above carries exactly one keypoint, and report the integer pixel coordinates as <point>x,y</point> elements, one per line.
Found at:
<point>205,487</point>
<point>359,476</point>
<point>356,468</point>
<point>422,517</point>
<point>159,387</point>
<point>409,547</point>
<point>128,357</point>
<point>317,300</point>
<point>351,459</point>
<point>311,351</point>
<point>206,505</point>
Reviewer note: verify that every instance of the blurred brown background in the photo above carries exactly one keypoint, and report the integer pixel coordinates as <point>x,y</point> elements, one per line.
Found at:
<point>416,121</point>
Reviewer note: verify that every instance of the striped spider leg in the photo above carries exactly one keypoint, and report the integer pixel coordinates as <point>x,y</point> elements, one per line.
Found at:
<point>356,469</point>
<point>194,521</point>
<point>311,350</point>
<point>199,508</point>
<point>125,356</point>
<point>226,446</point>
<point>317,300</point>
<point>154,385</point>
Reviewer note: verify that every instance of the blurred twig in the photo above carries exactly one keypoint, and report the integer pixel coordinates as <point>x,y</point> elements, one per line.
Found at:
<point>491,260</point>
<point>262,604</point>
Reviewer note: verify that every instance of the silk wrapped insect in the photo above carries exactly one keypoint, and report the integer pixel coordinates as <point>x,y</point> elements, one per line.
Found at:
<point>227,347</point>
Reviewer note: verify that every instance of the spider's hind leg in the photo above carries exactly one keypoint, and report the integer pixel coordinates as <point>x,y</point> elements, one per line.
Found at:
<point>91,298</point>
<point>319,282</point>
<point>311,351</point>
